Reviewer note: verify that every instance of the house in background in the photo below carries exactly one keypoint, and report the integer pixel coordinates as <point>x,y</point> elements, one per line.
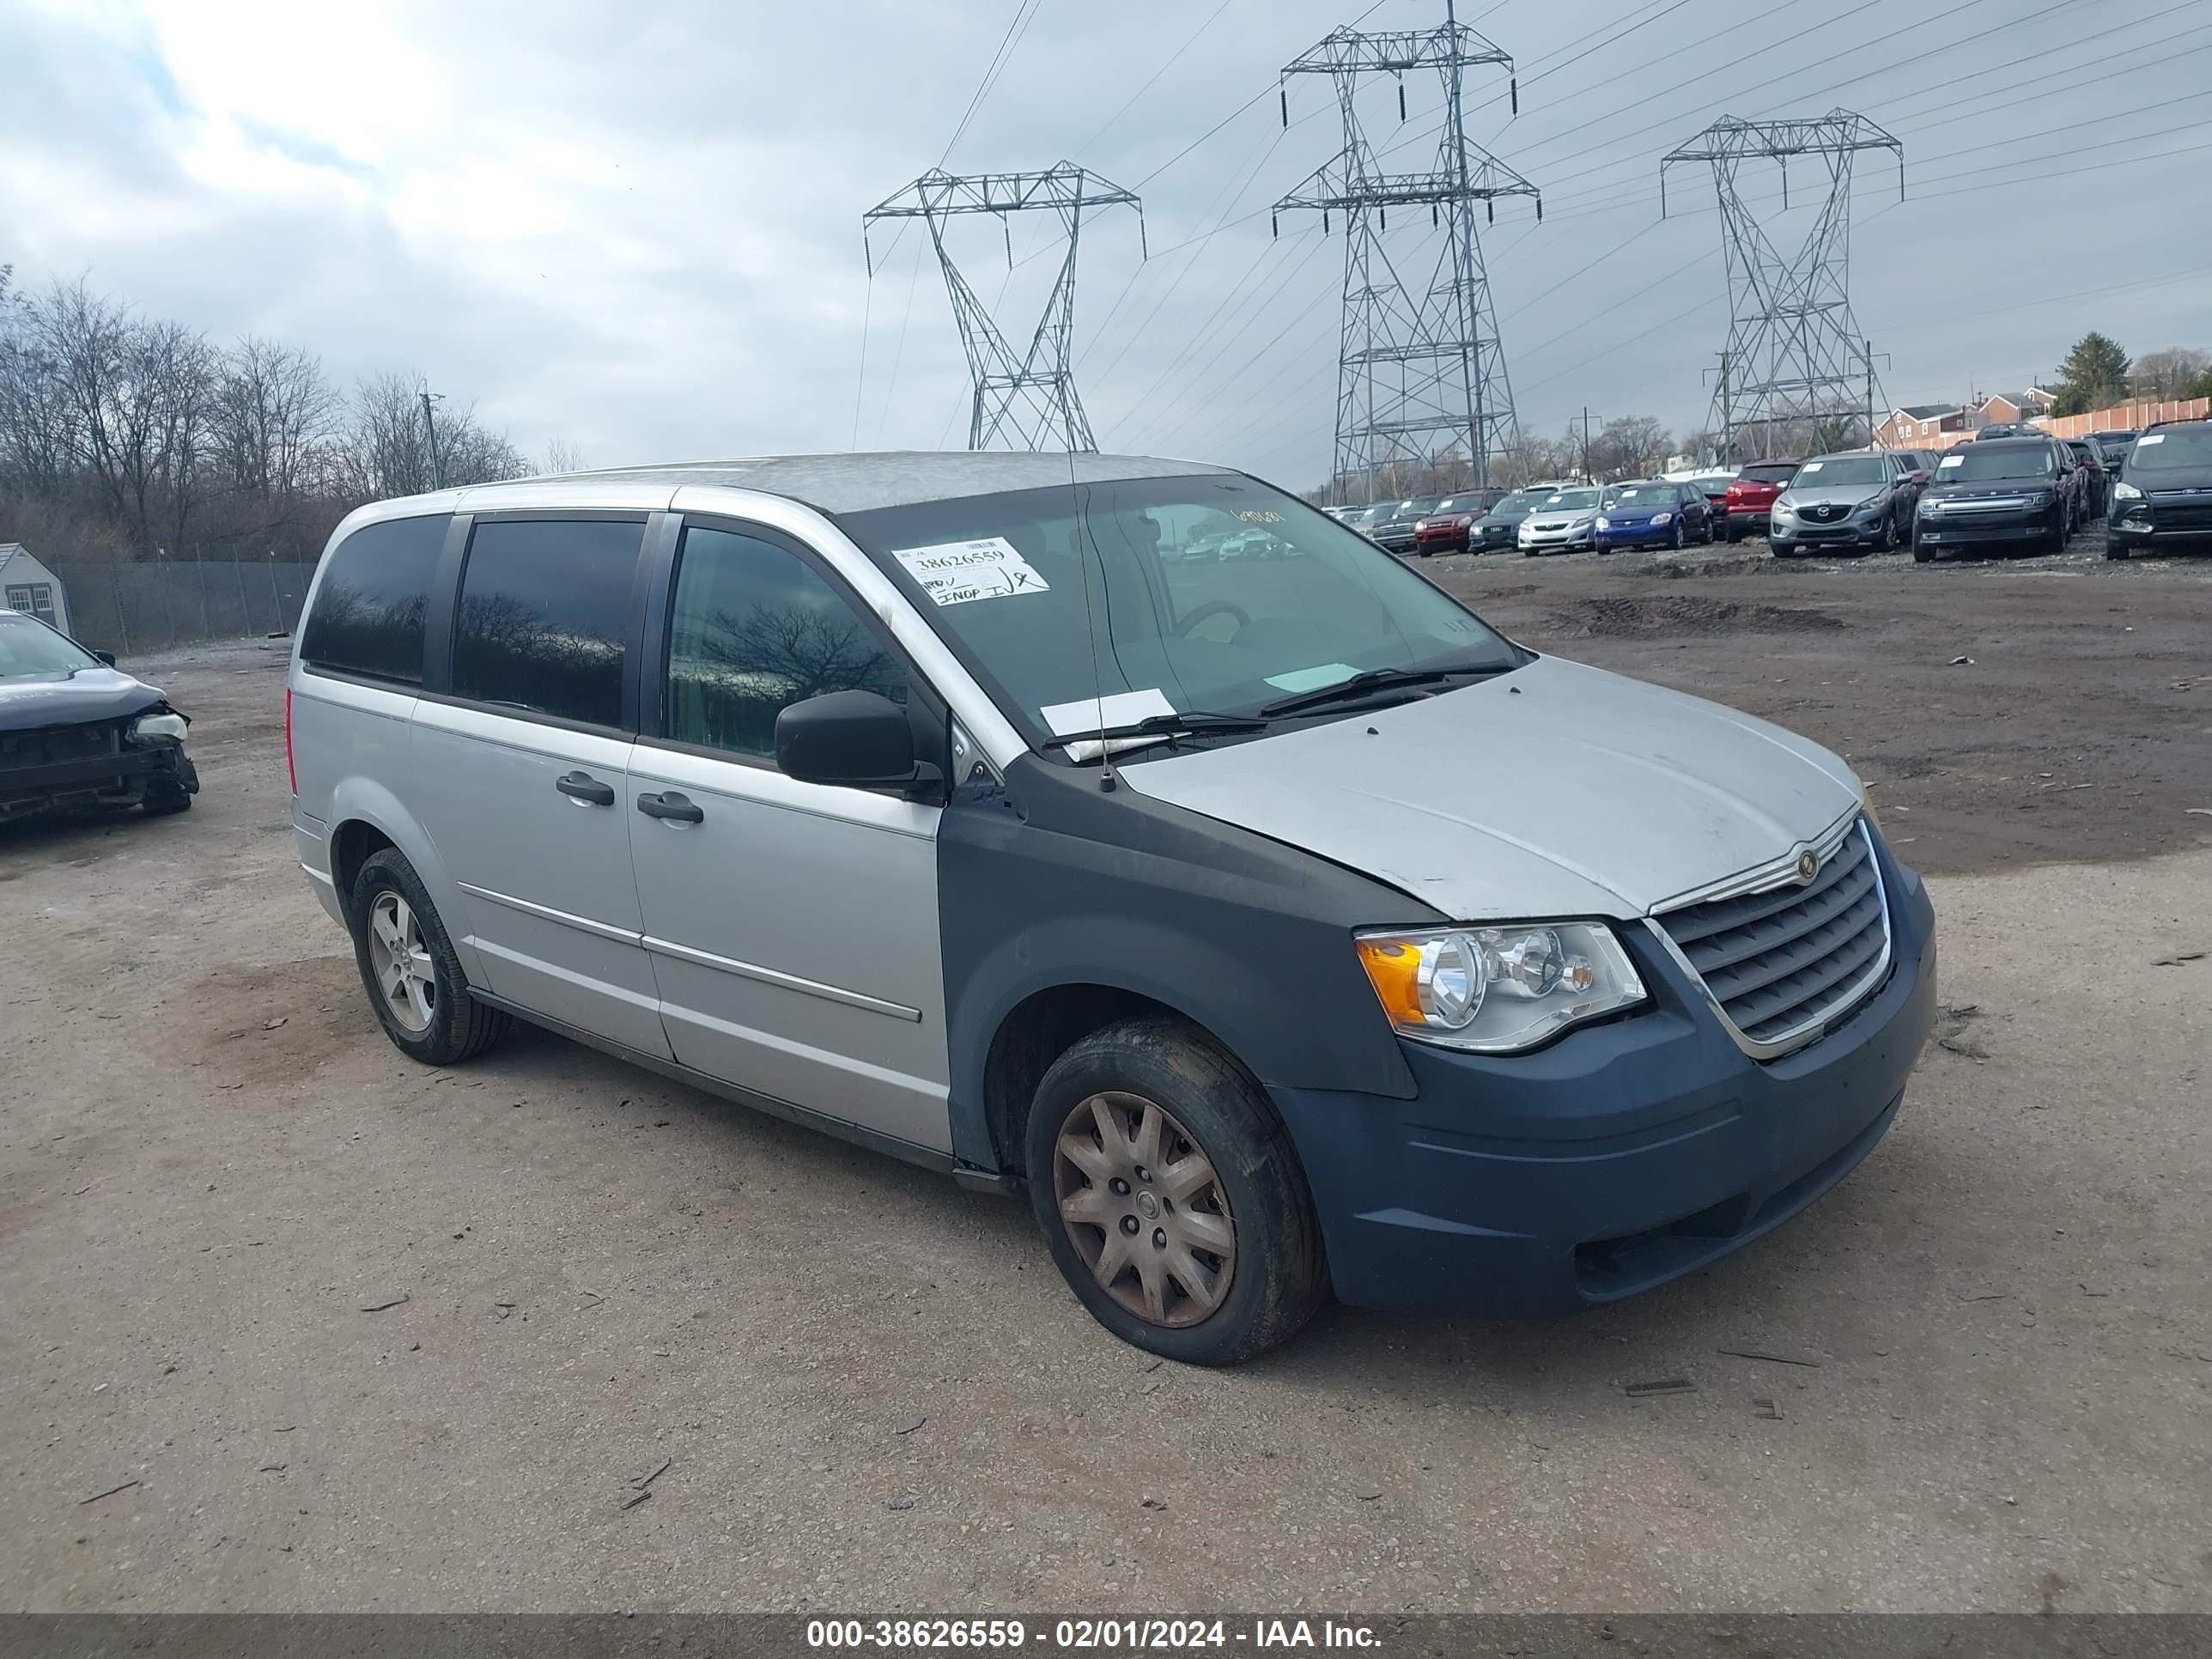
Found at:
<point>1920,426</point>
<point>2029,406</point>
<point>28,586</point>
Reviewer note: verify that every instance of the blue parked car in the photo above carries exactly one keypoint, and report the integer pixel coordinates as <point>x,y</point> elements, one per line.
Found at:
<point>1652,512</point>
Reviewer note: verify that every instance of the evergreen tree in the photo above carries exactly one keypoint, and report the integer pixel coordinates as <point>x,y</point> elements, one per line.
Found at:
<point>2094,374</point>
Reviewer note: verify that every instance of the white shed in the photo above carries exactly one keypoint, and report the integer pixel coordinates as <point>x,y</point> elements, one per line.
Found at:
<point>28,586</point>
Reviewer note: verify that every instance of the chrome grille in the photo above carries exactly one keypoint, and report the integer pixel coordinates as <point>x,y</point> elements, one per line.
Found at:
<point>1784,963</point>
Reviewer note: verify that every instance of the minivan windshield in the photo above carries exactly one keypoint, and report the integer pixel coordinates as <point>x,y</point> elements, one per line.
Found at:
<point>2175,447</point>
<point>1980,464</point>
<point>29,648</point>
<point>1053,598</point>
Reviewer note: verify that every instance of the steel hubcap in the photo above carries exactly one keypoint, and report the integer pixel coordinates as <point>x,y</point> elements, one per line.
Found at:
<point>400,962</point>
<point>1144,1209</point>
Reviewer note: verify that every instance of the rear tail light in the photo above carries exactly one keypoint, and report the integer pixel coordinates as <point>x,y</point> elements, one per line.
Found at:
<point>291,772</point>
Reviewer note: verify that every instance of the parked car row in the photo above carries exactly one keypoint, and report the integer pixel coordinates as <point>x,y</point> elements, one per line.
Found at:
<point>2013,484</point>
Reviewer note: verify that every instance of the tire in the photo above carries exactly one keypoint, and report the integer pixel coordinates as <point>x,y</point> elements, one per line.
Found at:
<point>431,1017</point>
<point>1160,1078</point>
<point>2114,550</point>
<point>1735,535</point>
<point>163,798</point>
<point>1681,537</point>
<point>1710,536</point>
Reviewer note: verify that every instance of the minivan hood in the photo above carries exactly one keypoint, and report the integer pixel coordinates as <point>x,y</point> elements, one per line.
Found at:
<point>1557,790</point>
<point>89,694</point>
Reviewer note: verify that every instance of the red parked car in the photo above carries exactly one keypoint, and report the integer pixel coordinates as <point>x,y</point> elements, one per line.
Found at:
<point>1448,526</point>
<point>1751,497</point>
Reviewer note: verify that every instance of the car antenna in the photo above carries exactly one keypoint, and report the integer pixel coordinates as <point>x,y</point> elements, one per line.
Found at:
<point>1106,783</point>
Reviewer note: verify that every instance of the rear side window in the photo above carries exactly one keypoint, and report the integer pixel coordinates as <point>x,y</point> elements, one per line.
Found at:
<point>545,616</point>
<point>367,615</point>
<point>1781,474</point>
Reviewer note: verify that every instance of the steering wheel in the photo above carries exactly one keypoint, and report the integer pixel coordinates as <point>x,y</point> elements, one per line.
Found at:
<point>1212,607</point>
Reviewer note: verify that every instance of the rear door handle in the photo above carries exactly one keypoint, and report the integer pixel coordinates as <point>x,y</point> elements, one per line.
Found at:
<point>676,807</point>
<point>583,787</point>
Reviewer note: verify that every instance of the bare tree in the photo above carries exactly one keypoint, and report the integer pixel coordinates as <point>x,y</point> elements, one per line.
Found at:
<point>562,456</point>
<point>2168,374</point>
<point>273,413</point>
<point>385,446</point>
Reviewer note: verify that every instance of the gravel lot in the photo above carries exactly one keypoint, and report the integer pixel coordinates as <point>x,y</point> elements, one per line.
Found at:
<point>349,1333</point>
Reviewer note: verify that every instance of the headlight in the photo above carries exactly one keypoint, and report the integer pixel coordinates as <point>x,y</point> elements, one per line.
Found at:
<point>1497,990</point>
<point>1931,506</point>
<point>1782,509</point>
<point>1605,523</point>
<point>1662,518</point>
<point>2124,491</point>
<point>147,726</point>
<point>1872,504</point>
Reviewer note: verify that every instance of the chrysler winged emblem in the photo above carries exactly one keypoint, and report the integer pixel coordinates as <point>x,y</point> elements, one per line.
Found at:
<point>1808,864</point>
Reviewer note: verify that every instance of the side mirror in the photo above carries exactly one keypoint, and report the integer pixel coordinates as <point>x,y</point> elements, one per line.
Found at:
<point>858,738</point>
<point>106,657</point>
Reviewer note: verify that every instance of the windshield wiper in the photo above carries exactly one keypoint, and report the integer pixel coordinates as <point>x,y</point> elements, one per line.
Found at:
<point>1374,679</point>
<point>1165,726</point>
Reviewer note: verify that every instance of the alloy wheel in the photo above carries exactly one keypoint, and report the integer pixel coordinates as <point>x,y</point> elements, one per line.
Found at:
<point>406,978</point>
<point>1144,1208</point>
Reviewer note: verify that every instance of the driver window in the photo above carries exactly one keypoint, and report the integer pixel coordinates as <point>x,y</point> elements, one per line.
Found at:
<point>754,628</point>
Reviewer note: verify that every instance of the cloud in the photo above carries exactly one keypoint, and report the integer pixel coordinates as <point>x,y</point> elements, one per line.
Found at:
<point>641,232</point>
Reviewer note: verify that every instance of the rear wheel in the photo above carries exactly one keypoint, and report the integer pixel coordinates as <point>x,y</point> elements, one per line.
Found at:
<point>1735,533</point>
<point>1170,1196</point>
<point>409,967</point>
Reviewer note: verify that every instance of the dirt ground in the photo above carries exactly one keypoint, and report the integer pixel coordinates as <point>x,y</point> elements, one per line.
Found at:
<point>293,1324</point>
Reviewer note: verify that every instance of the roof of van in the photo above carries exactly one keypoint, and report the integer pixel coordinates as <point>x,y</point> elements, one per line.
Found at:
<point>861,483</point>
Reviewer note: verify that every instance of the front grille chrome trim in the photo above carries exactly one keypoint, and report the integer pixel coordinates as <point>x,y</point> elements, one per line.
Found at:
<point>1775,873</point>
<point>1837,1009</point>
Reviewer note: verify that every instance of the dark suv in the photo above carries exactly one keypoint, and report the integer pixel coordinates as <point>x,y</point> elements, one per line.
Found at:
<point>2164,493</point>
<point>1996,492</point>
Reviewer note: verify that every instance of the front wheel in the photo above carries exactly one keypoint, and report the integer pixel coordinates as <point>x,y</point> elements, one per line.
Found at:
<point>1171,1197</point>
<point>407,966</point>
<point>2114,550</point>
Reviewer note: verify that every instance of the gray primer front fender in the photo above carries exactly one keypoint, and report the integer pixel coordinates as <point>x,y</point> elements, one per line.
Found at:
<point>1052,882</point>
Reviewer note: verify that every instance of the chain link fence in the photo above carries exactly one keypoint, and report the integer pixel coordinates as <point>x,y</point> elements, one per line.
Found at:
<point>136,608</point>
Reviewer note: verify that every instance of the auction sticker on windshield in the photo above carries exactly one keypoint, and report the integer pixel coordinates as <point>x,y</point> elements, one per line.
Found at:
<point>955,572</point>
<point>1951,460</point>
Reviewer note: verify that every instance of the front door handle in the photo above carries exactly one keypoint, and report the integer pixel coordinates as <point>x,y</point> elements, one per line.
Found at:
<point>675,807</point>
<point>583,787</point>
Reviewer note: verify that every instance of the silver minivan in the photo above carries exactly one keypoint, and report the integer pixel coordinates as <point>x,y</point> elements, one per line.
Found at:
<point>1279,928</point>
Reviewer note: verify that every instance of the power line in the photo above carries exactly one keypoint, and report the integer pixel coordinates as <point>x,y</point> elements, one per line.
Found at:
<point>1023,11</point>
<point>1155,75</point>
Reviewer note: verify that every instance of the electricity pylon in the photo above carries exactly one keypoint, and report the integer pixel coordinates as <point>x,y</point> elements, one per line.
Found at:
<point>1421,375</point>
<point>1795,358</point>
<point>1029,401</point>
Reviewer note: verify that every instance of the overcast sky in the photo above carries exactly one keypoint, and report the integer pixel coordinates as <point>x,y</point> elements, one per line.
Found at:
<point>638,229</point>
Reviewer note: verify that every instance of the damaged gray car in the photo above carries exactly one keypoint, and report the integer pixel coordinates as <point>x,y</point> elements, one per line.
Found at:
<point>77,734</point>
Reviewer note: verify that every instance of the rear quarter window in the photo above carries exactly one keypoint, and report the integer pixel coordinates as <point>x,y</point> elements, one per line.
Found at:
<point>369,605</point>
